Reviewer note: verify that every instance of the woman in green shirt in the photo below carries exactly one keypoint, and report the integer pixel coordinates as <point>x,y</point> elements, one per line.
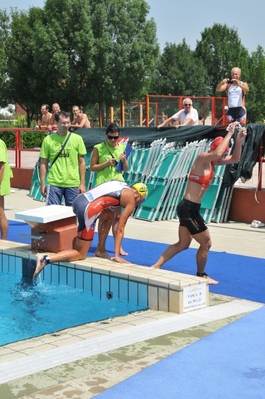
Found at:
<point>104,159</point>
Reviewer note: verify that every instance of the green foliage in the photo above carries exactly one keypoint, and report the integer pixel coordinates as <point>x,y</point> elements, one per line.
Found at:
<point>180,73</point>
<point>29,139</point>
<point>8,137</point>
<point>96,53</point>
<point>32,139</point>
<point>126,53</point>
<point>256,96</point>
<point>4,23</point>
<point>220,50</point>
<point>79,52</point>
<point>20,121</point>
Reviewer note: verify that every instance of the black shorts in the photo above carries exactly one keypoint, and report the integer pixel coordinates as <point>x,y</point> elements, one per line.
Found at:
<point>189,217</point>
<point>236,113</point>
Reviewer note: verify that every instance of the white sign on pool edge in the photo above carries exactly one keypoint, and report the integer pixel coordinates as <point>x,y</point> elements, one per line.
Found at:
<point>194,297</point>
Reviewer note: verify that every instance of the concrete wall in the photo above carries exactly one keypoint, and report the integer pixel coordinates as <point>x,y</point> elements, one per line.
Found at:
<point>22,178</point>
<point>244,208</point>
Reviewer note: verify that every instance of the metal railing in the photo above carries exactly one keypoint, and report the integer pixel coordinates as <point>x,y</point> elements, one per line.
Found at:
<point>18,149</point>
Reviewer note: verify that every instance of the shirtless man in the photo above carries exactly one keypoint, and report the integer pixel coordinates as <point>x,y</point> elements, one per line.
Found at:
<point>80,119</point>
<point>88,207</point>
<point>53,123</point>
<point>191,223</point>
<point>45,120</point>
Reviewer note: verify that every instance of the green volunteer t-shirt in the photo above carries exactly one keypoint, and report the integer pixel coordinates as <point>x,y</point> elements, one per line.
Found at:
<point>105,152</point>
<point>65,170</point>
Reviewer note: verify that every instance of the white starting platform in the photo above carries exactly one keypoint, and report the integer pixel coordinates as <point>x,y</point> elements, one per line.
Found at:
<point>53,227</point>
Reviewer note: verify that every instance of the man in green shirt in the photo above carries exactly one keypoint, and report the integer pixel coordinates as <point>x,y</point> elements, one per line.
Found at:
<point>66,176</point>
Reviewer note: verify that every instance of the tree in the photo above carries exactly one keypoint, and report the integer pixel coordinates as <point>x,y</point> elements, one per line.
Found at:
<point>255,98</point>
<point>24,81</point>
<point>220,50</point>
<point>4,23</point>
<point>64,47</point>
<point>126,50</point>
<point>180,73</point>
<point>80,52</point>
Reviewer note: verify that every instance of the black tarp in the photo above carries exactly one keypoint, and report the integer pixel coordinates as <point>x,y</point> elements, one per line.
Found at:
<point>145,136</point>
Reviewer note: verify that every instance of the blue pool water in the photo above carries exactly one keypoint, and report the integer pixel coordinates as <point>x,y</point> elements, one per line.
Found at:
<point>32,309</point>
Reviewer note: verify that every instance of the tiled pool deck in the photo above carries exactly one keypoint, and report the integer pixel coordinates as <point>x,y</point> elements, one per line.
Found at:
<point>80,362</point>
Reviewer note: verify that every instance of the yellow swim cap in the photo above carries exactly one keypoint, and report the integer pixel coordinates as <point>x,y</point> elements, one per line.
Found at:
<point>141,188</point>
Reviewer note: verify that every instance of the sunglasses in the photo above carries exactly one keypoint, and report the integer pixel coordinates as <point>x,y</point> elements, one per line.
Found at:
<point>187,105</point>
<point>112,137</point>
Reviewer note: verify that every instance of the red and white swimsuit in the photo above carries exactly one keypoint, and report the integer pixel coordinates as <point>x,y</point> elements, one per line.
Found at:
<point>90,205</point>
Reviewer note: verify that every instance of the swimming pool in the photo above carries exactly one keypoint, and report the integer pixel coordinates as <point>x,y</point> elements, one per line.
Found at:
<point>63,297</point>
<point>135,285</point>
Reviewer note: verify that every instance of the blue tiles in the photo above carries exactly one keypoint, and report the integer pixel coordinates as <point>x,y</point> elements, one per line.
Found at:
<point>142,294</point>
<point>98,284</point>
<point>79,279</point>
<point>10,264</point>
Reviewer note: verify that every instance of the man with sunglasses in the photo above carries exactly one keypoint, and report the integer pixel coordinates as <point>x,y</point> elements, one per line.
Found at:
<point>188,116</point>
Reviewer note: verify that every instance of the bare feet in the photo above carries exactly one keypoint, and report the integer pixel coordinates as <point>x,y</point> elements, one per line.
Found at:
<point>209,279</point>
<point>102,254</point>
<point>118,259</point>
<point>155,267</point>
<point>212,281</point>
<point>123,253</point>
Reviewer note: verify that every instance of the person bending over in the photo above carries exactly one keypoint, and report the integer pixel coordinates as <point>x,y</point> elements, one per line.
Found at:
<point>88,207</point>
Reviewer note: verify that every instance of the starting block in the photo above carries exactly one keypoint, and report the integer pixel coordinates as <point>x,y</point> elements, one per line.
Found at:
<point>53,227</point>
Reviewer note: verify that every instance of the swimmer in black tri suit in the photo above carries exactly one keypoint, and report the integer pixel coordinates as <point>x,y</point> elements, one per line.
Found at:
<point>90,206</point>
<point>191,223</point>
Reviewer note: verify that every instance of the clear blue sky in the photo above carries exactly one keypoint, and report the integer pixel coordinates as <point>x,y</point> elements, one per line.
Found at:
<point>178,20</point>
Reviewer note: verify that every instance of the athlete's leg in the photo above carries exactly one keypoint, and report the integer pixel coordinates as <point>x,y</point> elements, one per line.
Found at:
<point>204,239</point>
<point>114,227</point>
<point>104,224</point>
<point>70,255</point>
<point>183,243</point>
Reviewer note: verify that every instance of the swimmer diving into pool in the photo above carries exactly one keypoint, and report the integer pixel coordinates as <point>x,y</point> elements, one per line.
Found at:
<point>191,223</point>
<point>98,202</point>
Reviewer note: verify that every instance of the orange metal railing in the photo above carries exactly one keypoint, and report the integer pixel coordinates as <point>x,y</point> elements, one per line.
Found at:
<point>18,143</point>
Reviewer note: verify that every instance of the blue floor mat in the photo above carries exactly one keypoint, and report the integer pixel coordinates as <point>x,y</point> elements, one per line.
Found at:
<point>229,363</point>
